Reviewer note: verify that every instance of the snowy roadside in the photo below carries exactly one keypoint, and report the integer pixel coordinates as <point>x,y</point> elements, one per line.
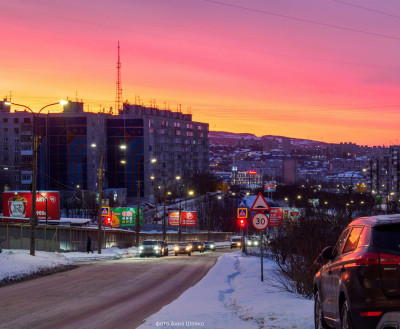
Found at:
<point>232,295</point>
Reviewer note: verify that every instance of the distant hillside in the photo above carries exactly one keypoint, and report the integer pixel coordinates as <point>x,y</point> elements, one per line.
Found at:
<point>231,139</point>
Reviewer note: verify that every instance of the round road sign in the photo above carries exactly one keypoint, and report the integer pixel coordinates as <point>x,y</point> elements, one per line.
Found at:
<point>260,221</point>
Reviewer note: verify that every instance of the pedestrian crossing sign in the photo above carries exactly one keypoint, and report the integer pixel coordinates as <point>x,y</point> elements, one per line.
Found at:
<point>242,212</point>
<point>241,203</point>
<point>105,211</point>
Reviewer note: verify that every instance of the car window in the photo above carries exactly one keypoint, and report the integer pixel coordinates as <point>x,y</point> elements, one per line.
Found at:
<point>365,237</point>
<point>340,243</point>
<point>386,237</point>
<point>149,243</point>
<point>352,240</point>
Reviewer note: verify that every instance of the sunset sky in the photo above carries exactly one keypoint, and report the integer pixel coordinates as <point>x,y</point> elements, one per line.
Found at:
<point>326,70</point>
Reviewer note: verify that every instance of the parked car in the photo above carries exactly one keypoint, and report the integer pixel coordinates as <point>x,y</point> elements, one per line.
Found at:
<point>209,245</point>
<point>359,286</point>
<point>236,242</point>
<point>197,246</point>
<point>183,248</point>
<point>152,248</point>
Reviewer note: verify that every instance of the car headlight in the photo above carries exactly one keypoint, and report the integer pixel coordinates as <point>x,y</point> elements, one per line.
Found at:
<point>156,248</point>
<point>239,244</point>
<point>212,246</point>
<point>256,243</point>
<point>176,248</point>
<point>140,247</point>
<point>199,247</point>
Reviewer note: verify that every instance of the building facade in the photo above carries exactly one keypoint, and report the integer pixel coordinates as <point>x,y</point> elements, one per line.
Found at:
<point>74,144</point>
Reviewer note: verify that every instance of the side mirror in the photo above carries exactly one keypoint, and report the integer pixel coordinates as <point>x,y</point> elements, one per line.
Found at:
<point>327,253</point>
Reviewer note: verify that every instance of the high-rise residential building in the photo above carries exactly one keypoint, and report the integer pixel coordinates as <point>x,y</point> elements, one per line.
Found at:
<point>384,173</point>
<point>73,144</point>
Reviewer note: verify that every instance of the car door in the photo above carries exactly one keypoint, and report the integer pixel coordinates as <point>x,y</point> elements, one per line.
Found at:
<point>342,264</point>
<point>327,289</point>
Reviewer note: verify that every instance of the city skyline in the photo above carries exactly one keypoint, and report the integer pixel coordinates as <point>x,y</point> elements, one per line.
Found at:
<point>325,71</point>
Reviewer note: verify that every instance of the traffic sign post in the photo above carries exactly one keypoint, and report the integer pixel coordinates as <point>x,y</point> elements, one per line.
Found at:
<point>260,221</point>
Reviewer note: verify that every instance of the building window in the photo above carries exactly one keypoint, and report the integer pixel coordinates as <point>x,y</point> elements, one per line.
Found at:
<point>5,148</point>
<point>16,140</point>
<point>16,120</point>
<point>27,120</point>
<point>5,120</point>
<point>5,139</point>
<point>16,130</point>
<point>16,149</point>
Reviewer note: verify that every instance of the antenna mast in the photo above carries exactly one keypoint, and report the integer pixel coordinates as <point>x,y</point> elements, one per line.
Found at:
<point>118,99</point>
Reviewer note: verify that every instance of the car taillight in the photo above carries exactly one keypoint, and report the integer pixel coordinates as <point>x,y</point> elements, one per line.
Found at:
<point>370,313</point>
<point>369,258</point>
<point>375,258</point>
<point>388,259</point>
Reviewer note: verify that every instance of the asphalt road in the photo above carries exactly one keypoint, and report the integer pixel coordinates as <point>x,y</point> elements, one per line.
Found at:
<point>107,294</point>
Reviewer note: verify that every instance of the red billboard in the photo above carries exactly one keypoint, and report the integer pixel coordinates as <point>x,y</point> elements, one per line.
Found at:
<point>18,204</point>
<point>188,218</point>
<point>275,217</point>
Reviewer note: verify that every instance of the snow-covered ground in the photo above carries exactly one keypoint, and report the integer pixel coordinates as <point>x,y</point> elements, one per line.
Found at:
<point>231,295</point>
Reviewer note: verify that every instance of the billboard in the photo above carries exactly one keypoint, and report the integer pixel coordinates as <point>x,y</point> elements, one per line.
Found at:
<point>188,218</point>
<point>275,217</point>
<point>270,186</point>
<point>18,204</point>
<point>125,217</point>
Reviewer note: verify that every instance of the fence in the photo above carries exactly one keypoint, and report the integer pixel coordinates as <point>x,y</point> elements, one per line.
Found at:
<point>64,238</point>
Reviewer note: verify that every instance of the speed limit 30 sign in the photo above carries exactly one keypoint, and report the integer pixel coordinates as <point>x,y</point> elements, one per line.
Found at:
<point>260,221</point>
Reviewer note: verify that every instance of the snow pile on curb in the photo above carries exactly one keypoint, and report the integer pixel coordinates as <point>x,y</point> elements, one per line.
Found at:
<point>18,264</point>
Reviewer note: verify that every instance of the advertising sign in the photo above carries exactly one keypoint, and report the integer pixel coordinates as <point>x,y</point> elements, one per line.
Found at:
<point>125,217</point>
<point>188,218</point>
<point>294,214</point>
<point>270,187</point>
<point>275,217</point>
<point>18,204</point>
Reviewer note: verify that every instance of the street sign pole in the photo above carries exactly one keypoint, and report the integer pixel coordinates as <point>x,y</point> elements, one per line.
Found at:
<point>261,253</point>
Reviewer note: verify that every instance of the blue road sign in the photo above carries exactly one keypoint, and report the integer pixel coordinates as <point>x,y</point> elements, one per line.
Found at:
<point>242,203</point>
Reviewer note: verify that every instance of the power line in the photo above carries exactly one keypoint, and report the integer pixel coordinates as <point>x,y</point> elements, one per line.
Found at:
<point>365,8</point>
<point>303,20</point>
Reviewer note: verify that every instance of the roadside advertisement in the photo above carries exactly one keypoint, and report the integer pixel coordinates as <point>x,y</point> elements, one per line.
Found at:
<point>270,187</point>
<point>293,214</point>
<point>275,217</point>
<point>189,218</point>
<point>125,217</point>
<point>18,204</point>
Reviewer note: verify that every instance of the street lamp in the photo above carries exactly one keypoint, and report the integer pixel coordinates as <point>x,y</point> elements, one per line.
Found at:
<point>137,226</point>
<point>32,220</point>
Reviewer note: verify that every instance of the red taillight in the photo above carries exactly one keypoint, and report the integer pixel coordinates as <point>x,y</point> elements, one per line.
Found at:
<point>370,313</point>
<point>374,258</point>
<point>369,258</point>
<point>387,259</point>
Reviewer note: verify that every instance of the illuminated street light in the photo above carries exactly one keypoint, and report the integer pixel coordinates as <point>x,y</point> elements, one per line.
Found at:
<point>34,167</point>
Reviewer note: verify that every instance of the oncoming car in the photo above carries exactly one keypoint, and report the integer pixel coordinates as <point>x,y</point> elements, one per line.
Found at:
<point>183,248</point>
<point>153,248</point>
<point>253,242</point>
<point>197,246</point>
<point>236,242</point>
<point>209,245</point>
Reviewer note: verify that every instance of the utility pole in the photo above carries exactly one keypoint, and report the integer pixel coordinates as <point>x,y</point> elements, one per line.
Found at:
<point>137,228</point>
<point>209,218</point>
<point>34,180</point>
<point>164,226</point>
<point>100,218</point>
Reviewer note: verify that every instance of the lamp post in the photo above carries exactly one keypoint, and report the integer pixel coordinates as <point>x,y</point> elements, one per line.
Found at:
<point>32,220</point>
<point>137,225</point>
<point>178,178</point>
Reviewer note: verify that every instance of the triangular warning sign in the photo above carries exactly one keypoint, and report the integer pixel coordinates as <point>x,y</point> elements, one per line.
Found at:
<point>260,204</point>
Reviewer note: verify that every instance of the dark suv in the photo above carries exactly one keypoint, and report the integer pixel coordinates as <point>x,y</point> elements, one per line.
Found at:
<point>359,286</point>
